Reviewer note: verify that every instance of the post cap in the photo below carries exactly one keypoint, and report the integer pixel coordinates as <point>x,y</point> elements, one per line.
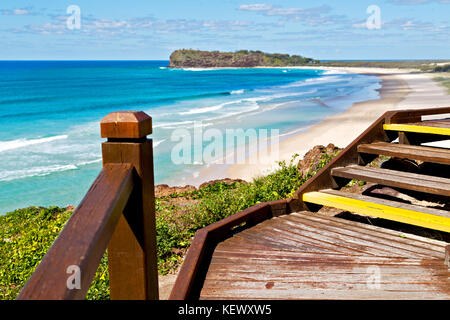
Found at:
<point>126,124</point>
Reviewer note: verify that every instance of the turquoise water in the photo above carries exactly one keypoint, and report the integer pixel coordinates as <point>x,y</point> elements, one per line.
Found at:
<point>50,146</point>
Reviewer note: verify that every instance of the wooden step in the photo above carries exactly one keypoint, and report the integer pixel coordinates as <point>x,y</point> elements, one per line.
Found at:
<point>417,128</point>
<point>394,178</point>
<point>406,213</point>
<point>427,154</point>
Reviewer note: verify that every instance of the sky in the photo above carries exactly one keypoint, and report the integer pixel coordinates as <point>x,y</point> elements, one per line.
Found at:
<point>151,30</point>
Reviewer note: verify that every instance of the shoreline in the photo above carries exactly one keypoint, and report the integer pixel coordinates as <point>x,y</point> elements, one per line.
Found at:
<point>400,89</point>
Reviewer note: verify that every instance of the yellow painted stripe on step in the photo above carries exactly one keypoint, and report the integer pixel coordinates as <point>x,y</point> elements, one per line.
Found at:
<point>379,210</point>
<point>418,129</point>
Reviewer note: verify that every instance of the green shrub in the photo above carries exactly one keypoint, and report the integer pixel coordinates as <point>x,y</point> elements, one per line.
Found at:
<point>25,237</point>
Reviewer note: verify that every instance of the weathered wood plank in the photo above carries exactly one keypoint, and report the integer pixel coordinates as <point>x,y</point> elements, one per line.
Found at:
<point>386,209</point>
<point>427,154</point>
<point>358,243</point>
<point>286,243</point>
<point>417,129</point>
<point>322,294</point>
<point>384,243</point>
<point>447,256</point>
<point>331,241</point>
<point>239,271</point>
<point>326,260</point>
<point>414,115</point>
<point>311,278</point>
<point>443,123</point>
<point>354,282</point>
<point>397,179</point>
<point>393,235</point>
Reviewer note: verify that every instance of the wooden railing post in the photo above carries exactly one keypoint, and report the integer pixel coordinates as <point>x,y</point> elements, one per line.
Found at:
<point>132,249</point>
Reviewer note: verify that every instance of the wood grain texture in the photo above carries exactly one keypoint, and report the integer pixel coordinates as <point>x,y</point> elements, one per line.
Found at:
<point>422,128</point>
<point>422,153</point>
<point>394,178</point>
<point>191,275</point>
<point>240,270</point>
<point>132,256</point>
<point>126,124</point>
<point>404,116</point>
<point>83,240</point>
<point>447,256</point>
<point>132,251</point>
<point>422,216</point>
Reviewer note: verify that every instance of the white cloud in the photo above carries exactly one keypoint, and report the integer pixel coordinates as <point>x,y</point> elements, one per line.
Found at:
<point>144,26</point>
<point>415,2</point>
<point>314,16</point>
<point>360,25</point>
<point>414,25</point>
<point>255,7</point>
<point>20,11</point>
<point>14,12</point>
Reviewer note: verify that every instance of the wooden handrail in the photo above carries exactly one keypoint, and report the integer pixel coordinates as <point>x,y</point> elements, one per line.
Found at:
<point>415,115</point>
<point>125,185</point>
<point>83,240</point>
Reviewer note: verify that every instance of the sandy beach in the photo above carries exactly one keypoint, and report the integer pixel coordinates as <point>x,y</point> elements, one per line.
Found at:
<point>400,89</point>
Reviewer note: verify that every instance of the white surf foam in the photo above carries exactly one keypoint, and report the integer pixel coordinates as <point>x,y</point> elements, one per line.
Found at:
<point>20,143</point>
<point>198,69</point>
<point>204,110</point>
<point>33,172</point>
<point>157,143</point>
<point>169,125</point>
<point>84,163</point>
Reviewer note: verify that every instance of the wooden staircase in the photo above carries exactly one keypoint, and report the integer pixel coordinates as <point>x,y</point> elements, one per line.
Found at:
<point>285,250</point>
<point>432,218</point>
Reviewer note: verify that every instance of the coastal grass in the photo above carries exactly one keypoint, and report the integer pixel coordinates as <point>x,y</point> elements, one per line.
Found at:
<point>444,79</point>
<point>421,65</point>
<point>27,234</point>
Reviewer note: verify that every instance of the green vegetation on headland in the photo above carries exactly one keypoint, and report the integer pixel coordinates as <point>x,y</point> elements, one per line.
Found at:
<point>27,234</point>
<point>214,59</point>
<point>188,58</point>
<point>184,58</point>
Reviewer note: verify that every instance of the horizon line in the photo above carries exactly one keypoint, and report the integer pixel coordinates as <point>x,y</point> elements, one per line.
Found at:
<point>361,59</point>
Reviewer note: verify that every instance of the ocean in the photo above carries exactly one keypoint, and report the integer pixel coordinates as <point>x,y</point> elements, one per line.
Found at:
<point>50,145</point>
